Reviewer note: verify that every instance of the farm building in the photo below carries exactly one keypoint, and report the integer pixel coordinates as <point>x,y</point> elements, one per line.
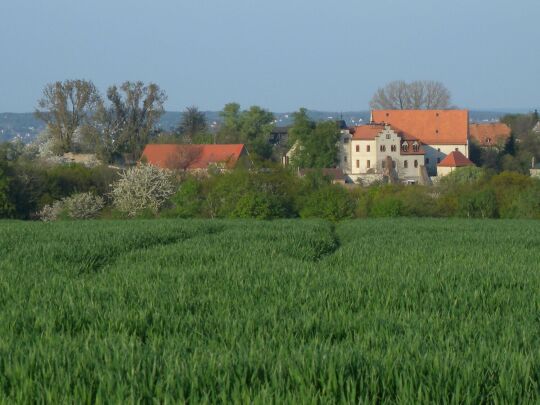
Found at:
<point>490,135</point>
<point>452,162</point>
<point>194,157</point>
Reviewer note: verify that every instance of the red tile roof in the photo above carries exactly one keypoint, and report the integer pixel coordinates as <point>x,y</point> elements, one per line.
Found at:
<point>432,127</point>
<point>191,157</point>
<point>490,134</point>
<point>366,132</point>
<point>455,159</point>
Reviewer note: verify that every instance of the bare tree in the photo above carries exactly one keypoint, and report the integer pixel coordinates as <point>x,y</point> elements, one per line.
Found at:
<point>126,124</point>
<point>399,95</point>
<point>66,107</point>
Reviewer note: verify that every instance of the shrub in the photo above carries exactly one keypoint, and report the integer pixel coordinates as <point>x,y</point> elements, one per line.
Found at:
<point>332,202</point>
<point>187,200</point>
<point>478,204</point>
<point>51,212</point>
<point>83,205</point>
<point>141,188</point>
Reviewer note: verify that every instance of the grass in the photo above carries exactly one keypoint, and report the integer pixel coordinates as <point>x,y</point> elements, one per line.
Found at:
<point>168,311</point>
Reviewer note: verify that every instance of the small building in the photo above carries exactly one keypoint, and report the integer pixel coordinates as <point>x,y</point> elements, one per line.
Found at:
<point>194,157</point>
<point>536,128</point>
<point>489,135</point>
<point>452,162</point>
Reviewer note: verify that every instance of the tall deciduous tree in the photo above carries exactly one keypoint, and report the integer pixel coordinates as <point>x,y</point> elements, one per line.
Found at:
<point>126,124</point>
<point>193,122</point>
<point>399,95</point>
<point>315,145</point>
<point>66,107</point>
<point>251,127</point>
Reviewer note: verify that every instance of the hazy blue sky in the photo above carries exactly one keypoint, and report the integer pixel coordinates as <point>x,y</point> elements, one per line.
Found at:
<point>280,54</point>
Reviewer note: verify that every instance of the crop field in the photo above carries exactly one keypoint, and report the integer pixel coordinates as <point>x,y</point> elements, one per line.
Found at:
<point>201,311</point>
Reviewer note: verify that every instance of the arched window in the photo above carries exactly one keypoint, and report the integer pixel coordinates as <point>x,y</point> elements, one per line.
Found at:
<point>406,164</point>
<point>416,163</point>
<point>415,146</point>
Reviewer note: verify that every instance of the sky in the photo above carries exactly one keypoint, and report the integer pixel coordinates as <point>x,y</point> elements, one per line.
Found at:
<point>326,55</point>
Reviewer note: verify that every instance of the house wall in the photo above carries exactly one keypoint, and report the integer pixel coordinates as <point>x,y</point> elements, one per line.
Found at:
<point>443,171</point>
<point>362,156</point>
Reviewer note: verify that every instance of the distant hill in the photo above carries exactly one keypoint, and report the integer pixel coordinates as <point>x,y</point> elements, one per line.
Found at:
<point>26,127</point>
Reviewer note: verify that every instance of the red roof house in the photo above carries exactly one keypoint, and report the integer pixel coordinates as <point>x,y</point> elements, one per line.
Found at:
<point>193,157</point>
<point>451,162</point>
<point>491,134</point>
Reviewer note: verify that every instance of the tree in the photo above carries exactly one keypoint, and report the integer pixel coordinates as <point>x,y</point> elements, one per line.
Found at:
<point>193,123</point>
<point>67,107</point>
<point>417,95</point>
<point>315,145</point>
<point>128,122</point>
<point>229,131</point>
<point>251,127</point>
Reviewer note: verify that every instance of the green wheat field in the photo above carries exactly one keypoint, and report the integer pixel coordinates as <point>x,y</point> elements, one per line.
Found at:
<point>291,311</point>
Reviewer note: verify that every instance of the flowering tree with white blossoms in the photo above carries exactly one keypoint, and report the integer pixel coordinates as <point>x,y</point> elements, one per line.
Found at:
<point>142,187</point>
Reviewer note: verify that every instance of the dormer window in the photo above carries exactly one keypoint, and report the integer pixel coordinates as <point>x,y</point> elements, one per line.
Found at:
<point>415,146</point>
<point>405,146</point>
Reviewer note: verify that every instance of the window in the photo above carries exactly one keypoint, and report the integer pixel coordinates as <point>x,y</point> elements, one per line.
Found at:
<point>438,149</point>
<point>368,164</point>
<point>357,164</point>
<point>427,161</point>
<point>488,140</point>
<point>415,146</point>
<point>406,164</point>
<point>368,148</point>
<point>436,131</point>
<point>358,148</point>
<point>387,136</point>
<point>438,160</point>
<point>405,146</point>
<point>416,163</point>
<point>345,140</point>
<point>393,148</point>
<point>344,158</point>
<point>457,149</point>
<point>383,148</point>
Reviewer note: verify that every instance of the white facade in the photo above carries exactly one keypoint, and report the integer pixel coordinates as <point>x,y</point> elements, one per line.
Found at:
<point>362,158</point>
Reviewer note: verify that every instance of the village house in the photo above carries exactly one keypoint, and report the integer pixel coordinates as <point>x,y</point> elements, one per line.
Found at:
<point>194,157</point>
<point>490,135</point>
<point>451,162</point>
<point>403,145</point>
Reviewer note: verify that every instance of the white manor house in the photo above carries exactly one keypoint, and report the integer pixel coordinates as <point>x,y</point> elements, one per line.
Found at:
<point>405,145</point>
